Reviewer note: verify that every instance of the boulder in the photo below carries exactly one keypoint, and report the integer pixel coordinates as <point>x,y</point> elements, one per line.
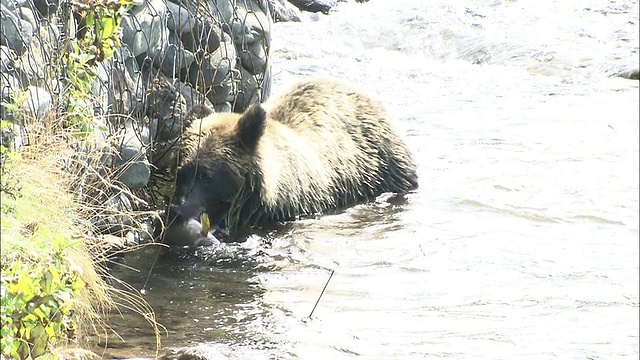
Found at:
<point>145,30</point>
<point>16,33</point>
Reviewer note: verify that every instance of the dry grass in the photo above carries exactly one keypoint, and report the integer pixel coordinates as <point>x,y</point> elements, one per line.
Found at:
<point>60,189</point>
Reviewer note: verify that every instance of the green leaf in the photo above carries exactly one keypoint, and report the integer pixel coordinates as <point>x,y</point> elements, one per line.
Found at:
<point>86,128</point>
<point>39,339</point>
<point>46,281</point>
<point>108,28</point>
<point>23,350</point>
<point>49,330</point>
<point>78,284</point>
<point>41,313</point>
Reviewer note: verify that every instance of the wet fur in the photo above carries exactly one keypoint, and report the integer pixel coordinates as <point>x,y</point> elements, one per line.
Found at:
<point>321,145</point>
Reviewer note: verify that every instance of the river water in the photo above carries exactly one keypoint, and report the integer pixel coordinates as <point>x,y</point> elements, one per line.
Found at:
<point>522,240</point>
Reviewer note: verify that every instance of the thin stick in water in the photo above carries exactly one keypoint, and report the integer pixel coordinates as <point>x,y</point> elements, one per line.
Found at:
<point>325,286</point>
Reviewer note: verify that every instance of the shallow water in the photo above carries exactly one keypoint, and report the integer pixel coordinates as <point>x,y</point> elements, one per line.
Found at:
<point>522,240</point>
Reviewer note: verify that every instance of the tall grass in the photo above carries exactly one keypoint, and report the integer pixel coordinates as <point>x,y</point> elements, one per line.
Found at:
<point>55,286</point>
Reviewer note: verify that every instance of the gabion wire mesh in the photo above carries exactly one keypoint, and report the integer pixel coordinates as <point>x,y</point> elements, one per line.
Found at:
<point>174,54</point>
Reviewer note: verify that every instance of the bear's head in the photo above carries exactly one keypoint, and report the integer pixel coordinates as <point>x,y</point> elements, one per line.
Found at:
<point>219,171</point>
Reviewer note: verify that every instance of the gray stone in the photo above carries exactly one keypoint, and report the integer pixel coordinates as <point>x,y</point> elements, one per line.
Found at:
<point>48,42</point>
<point>144,28</point>
<point>633,74</point>
<point>30,69</point>
<point>46,8</point>
<point>223,107</point>
<point>166,105</point>
<point>16,33</point>
<point>125,86</point>
<point>250,24</point>
<point>266,82</point>
<point>27,14</point>
<point>204,38</point>
<point>169,128</point>
<point>7,59</point>
<point>179,19</point>
<point>322,6</point>
<point>8,86</point>
<point>100,88</point>
<point>136,174</point>
<point>254,58</point>
<point>223,91</point>
<point>193,96</point>
<point>197,352</point>
<point>113,218</point>
<point>213,68</point>
<point>175,57</point>
<point>283,10</point>
<point>113,242</point>
<point>133,163</point>
<point>39,102</point>
<point>10,5</point>
<point>248,92</point>
<point>222,9</point>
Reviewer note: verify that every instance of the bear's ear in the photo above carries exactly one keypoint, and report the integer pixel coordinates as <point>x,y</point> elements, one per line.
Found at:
<point>251,126</point>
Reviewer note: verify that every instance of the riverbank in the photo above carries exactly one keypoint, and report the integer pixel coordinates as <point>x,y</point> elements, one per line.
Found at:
<point>55,286</point>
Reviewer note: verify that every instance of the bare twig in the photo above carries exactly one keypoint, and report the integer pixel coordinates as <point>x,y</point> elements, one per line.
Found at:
<point>319,297</point>
<point>118,188</point>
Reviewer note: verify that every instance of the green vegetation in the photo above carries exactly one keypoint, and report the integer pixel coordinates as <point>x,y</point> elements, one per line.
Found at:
<point>52,284</point>
<point>97,38</point>
<point>49,282</point>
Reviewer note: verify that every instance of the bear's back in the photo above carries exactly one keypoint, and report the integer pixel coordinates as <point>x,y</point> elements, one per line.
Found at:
<point>328,145</point>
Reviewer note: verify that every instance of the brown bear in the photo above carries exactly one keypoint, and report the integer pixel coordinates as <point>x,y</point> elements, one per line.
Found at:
<point>321,145</point>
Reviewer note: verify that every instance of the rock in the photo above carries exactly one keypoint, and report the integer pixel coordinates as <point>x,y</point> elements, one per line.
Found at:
<point>193,96</point>
<point>248,92</point>
<point>266,82</point>
<point>194,353</point>
<point>136,174</point>
<point>46,8</point>
<point>322,6</point>
<point>16,33</point>
<point>125,85</point>
<point>133,163</point>
<point>283,11</point>
<point>7,60</point>
<point>27,14</point>
<point>222,92</point>
<point>11,134</point>
<point>11,5</point>
<point>166,106</point>
<point>100,88</point>
<point>223,107</point>
<point>144,28</point>
<point>116,243</point>
<point>212,69</point>
<point>222,9</point>
<point>203,38</point>
<point>113,218</point>
<point>30,69</point>
<point>10,85</point>
<point>175,57</point>
<point>179,19</point>
<point>630,74</point>
<point>250,24</point>
<point>254,58</point>
<point>39,102</point>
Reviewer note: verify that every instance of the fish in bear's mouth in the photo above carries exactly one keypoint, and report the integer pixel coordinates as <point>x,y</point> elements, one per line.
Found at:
<point>194,233</point>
